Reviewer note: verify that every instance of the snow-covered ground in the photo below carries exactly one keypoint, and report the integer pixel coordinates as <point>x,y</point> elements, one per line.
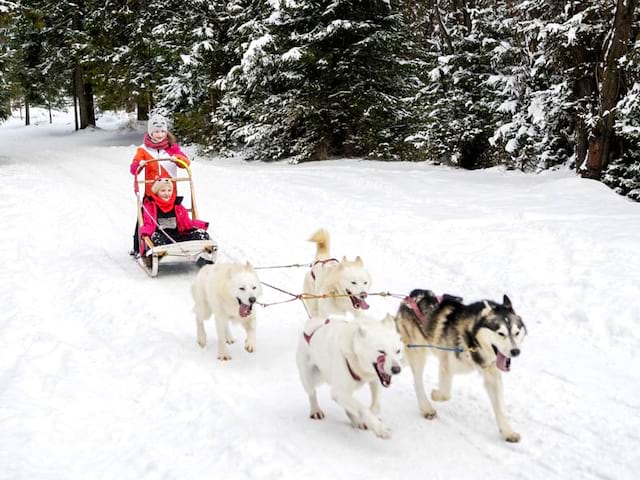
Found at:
<point>101,376</point>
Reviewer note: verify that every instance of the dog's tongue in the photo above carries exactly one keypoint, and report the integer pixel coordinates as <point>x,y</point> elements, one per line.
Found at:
<point>359,302</point>
<point>245,310</point>
<point>385,379</point>
<point>503,363</point>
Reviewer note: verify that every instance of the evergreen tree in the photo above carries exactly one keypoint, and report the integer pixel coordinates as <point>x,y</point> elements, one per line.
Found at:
<point>6,9</point>
<point>196,42</point>
<point>455,111</point>
<point>325,79</point>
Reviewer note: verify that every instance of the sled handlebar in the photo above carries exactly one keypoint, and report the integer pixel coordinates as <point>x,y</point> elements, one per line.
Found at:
<point>177,161</point>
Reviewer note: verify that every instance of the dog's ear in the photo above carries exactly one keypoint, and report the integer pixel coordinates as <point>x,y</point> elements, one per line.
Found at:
<point>358,261</point>
<point>389,321</point>
<point>487,309</point>
<point>417,294</point>
<point>506,302</point>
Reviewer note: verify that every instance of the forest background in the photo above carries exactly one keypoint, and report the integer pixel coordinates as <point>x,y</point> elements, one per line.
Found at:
<point>530,84</point>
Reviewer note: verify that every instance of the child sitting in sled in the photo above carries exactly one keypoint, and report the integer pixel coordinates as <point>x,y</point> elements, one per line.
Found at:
<point>166,220</point>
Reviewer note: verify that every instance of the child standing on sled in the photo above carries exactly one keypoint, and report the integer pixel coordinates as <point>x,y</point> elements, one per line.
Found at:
<point>158,142</point>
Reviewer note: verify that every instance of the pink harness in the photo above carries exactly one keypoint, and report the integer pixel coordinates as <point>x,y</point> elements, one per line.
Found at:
<point>308,337</point>
<point>411,303</point>
<point>321,262</point>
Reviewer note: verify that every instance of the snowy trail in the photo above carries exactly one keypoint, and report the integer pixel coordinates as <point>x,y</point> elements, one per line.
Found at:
<point>101,376</point>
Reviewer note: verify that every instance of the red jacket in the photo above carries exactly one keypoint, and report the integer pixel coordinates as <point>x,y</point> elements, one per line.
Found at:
<point>157,169</point>
<point>184,222</point>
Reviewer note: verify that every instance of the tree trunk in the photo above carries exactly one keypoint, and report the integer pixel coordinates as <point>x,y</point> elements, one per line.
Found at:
<point>27,115</point>
<point>584,91</point>
<point>84,93</point>
<point>612,77</point>
<point>142,106</point>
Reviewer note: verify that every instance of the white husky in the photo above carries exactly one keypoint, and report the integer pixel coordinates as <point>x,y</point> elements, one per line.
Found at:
<point>229,291</point>
<point>349,279</point>
<point>346,354</point>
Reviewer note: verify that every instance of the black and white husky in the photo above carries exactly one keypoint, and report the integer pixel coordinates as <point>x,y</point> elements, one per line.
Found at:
<point>483,336</point>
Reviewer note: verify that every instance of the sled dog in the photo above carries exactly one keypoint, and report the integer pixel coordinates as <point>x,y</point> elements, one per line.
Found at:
<point>229,291</point>
<point>485,334</point>
<point>330,276</point>
<point>346,353</point>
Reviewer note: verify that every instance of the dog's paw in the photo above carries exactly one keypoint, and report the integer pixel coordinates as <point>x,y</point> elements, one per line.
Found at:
<point>202,341</point>
<point>223,357</point>
<point>382,431</point>
<point>317,415</point>
<point>511,437</point>
<point>438,396</point>
<point>430,414</point>
<point>230,341</point>
<point>249,347</point>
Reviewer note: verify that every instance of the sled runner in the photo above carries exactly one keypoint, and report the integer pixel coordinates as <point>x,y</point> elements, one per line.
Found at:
<point>149,255</point>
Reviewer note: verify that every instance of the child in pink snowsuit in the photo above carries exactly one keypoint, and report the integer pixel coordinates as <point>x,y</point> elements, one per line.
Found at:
<point>165,218</point>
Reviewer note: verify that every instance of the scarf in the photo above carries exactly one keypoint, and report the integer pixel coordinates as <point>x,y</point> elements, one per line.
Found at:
<point>163,145</point>
<point>165,205</point>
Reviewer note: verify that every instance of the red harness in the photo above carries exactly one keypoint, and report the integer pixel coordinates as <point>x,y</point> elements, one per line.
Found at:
<point>411,303</point>
<point>321,262</point>
<point>308,337</point>
<point>353,374</point>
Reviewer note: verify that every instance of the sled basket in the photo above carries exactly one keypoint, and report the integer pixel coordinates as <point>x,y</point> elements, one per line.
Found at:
<point>149,255</point>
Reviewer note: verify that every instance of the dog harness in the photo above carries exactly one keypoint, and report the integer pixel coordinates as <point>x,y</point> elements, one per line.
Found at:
<point>411,303</point>
<point>307,337</point>
<point>321,262</point>
<point>353,374</point>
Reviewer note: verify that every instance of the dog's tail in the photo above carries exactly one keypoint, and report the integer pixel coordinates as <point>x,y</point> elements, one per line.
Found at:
<point>321,239</point>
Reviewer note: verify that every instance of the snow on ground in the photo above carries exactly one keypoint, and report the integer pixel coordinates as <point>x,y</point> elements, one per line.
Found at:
<point>101,376</point>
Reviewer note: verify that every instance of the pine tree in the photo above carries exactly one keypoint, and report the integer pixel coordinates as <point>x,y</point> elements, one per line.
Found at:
<point>325,79</point>
<point>455,113</point>
<point>6,9</point>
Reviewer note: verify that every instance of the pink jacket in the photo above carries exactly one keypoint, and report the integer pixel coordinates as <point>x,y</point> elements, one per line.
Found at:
<point>184,222</point>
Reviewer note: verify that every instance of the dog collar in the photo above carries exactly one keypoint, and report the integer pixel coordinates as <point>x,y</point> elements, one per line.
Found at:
<point>353,374</point>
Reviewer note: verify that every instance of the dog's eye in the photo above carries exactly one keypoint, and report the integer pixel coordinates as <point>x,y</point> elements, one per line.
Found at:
<point>501,334</point>
<point>353,283</point>
<point>397,352</point>
<point>366,283</point>
<point>242,289</point>
<point>253,288</point>
<point>382,352</point>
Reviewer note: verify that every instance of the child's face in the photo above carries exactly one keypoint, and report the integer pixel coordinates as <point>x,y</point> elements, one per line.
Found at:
<point>165,192</point>
<point>158,135</point>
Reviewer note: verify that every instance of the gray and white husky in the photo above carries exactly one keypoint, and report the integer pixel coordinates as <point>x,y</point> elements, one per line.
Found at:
<point>483,336</point>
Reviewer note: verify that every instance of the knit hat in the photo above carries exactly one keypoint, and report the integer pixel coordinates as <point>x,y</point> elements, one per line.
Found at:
<point>157,122</point>
<point>159,183</point>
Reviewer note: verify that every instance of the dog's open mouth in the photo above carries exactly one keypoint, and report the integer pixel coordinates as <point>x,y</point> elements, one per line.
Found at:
<point>502,362</point>
<point>244,310</point>
<point>385,379</point>
<point>359,301</point>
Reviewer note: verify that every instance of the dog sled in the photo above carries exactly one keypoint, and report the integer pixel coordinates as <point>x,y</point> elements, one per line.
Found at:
<point>149,255</point>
